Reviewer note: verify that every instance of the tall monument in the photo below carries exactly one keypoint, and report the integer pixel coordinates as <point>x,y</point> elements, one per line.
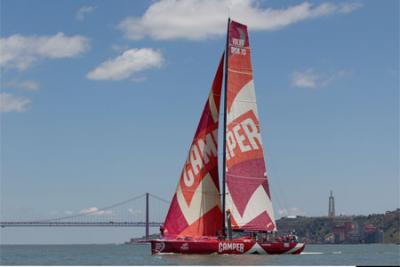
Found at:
<point>331,211</point>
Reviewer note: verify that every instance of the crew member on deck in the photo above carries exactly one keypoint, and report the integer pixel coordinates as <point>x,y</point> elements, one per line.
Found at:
<point>220,236</point>
<point>229,224</point>
<point>253,236</point>
<point>161,231</point>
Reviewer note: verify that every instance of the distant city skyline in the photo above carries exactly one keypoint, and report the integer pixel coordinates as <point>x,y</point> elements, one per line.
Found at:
<point>100,99</point>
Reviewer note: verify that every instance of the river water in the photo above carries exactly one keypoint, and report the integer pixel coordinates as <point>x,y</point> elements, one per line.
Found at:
<point>139,254</point>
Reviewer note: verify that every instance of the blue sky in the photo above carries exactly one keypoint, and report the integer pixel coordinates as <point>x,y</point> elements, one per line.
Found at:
<point>100,101</point>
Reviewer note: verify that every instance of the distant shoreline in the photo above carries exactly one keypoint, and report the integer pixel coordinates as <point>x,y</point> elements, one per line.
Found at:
<point>129,244</point>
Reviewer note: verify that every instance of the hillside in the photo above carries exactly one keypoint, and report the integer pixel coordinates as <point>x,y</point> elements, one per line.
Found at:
<point>345,229</point>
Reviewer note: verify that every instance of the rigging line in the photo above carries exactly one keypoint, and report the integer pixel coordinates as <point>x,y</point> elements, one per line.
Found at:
<point>277,181</point>
<point>283,196</point>
<point>159,198</point>
<point>194,191</point>
<point>95,211</point>
<point>248,177</point>
<point>275,197</point>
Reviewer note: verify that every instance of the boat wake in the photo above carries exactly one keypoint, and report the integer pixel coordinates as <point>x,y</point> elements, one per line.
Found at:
<point>311,253</point>
<point>319,253</point>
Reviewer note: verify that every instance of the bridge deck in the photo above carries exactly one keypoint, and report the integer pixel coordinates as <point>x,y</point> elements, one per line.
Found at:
<point>78,224</point>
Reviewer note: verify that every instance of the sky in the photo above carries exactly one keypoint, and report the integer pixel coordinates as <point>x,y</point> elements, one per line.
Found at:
<point>100,100</point>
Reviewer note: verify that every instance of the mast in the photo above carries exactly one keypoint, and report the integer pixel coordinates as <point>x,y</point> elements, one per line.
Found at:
<point>224,134</point>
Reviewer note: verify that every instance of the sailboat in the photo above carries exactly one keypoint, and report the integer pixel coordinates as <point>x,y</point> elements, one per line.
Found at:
<point>239,219</point>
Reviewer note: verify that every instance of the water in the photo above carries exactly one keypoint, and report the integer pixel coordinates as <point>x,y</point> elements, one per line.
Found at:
<point>374,254</point>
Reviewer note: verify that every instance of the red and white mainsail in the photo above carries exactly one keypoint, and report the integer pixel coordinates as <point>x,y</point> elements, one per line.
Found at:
<point>195,208</point>
<point>247,192</point>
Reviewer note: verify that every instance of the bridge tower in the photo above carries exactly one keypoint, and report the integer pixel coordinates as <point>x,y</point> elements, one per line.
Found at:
<point>147,217</point>
<point>331,211</point>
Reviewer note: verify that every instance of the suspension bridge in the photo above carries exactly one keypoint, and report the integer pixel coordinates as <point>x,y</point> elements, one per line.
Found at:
<point>146,210</point>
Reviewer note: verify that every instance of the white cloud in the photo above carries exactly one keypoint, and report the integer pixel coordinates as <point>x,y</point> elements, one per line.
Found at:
<point>95,211</point>
<point>283,212</point>
<point>201,19</point>
<point>310,79</point>
<point>83,11</point>
<point>13,103</point>
<point>125,65</point>
<point>293,211</point>
<point>305,79</point>
<point>18,51</point>
<point>24,85</point>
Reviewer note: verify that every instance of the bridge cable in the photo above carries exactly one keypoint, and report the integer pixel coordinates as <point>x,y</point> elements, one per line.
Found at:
<point>159,198</point>
<point>94,211</point>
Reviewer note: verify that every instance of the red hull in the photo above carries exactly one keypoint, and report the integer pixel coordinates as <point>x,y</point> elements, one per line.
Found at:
<point>236,246</point>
